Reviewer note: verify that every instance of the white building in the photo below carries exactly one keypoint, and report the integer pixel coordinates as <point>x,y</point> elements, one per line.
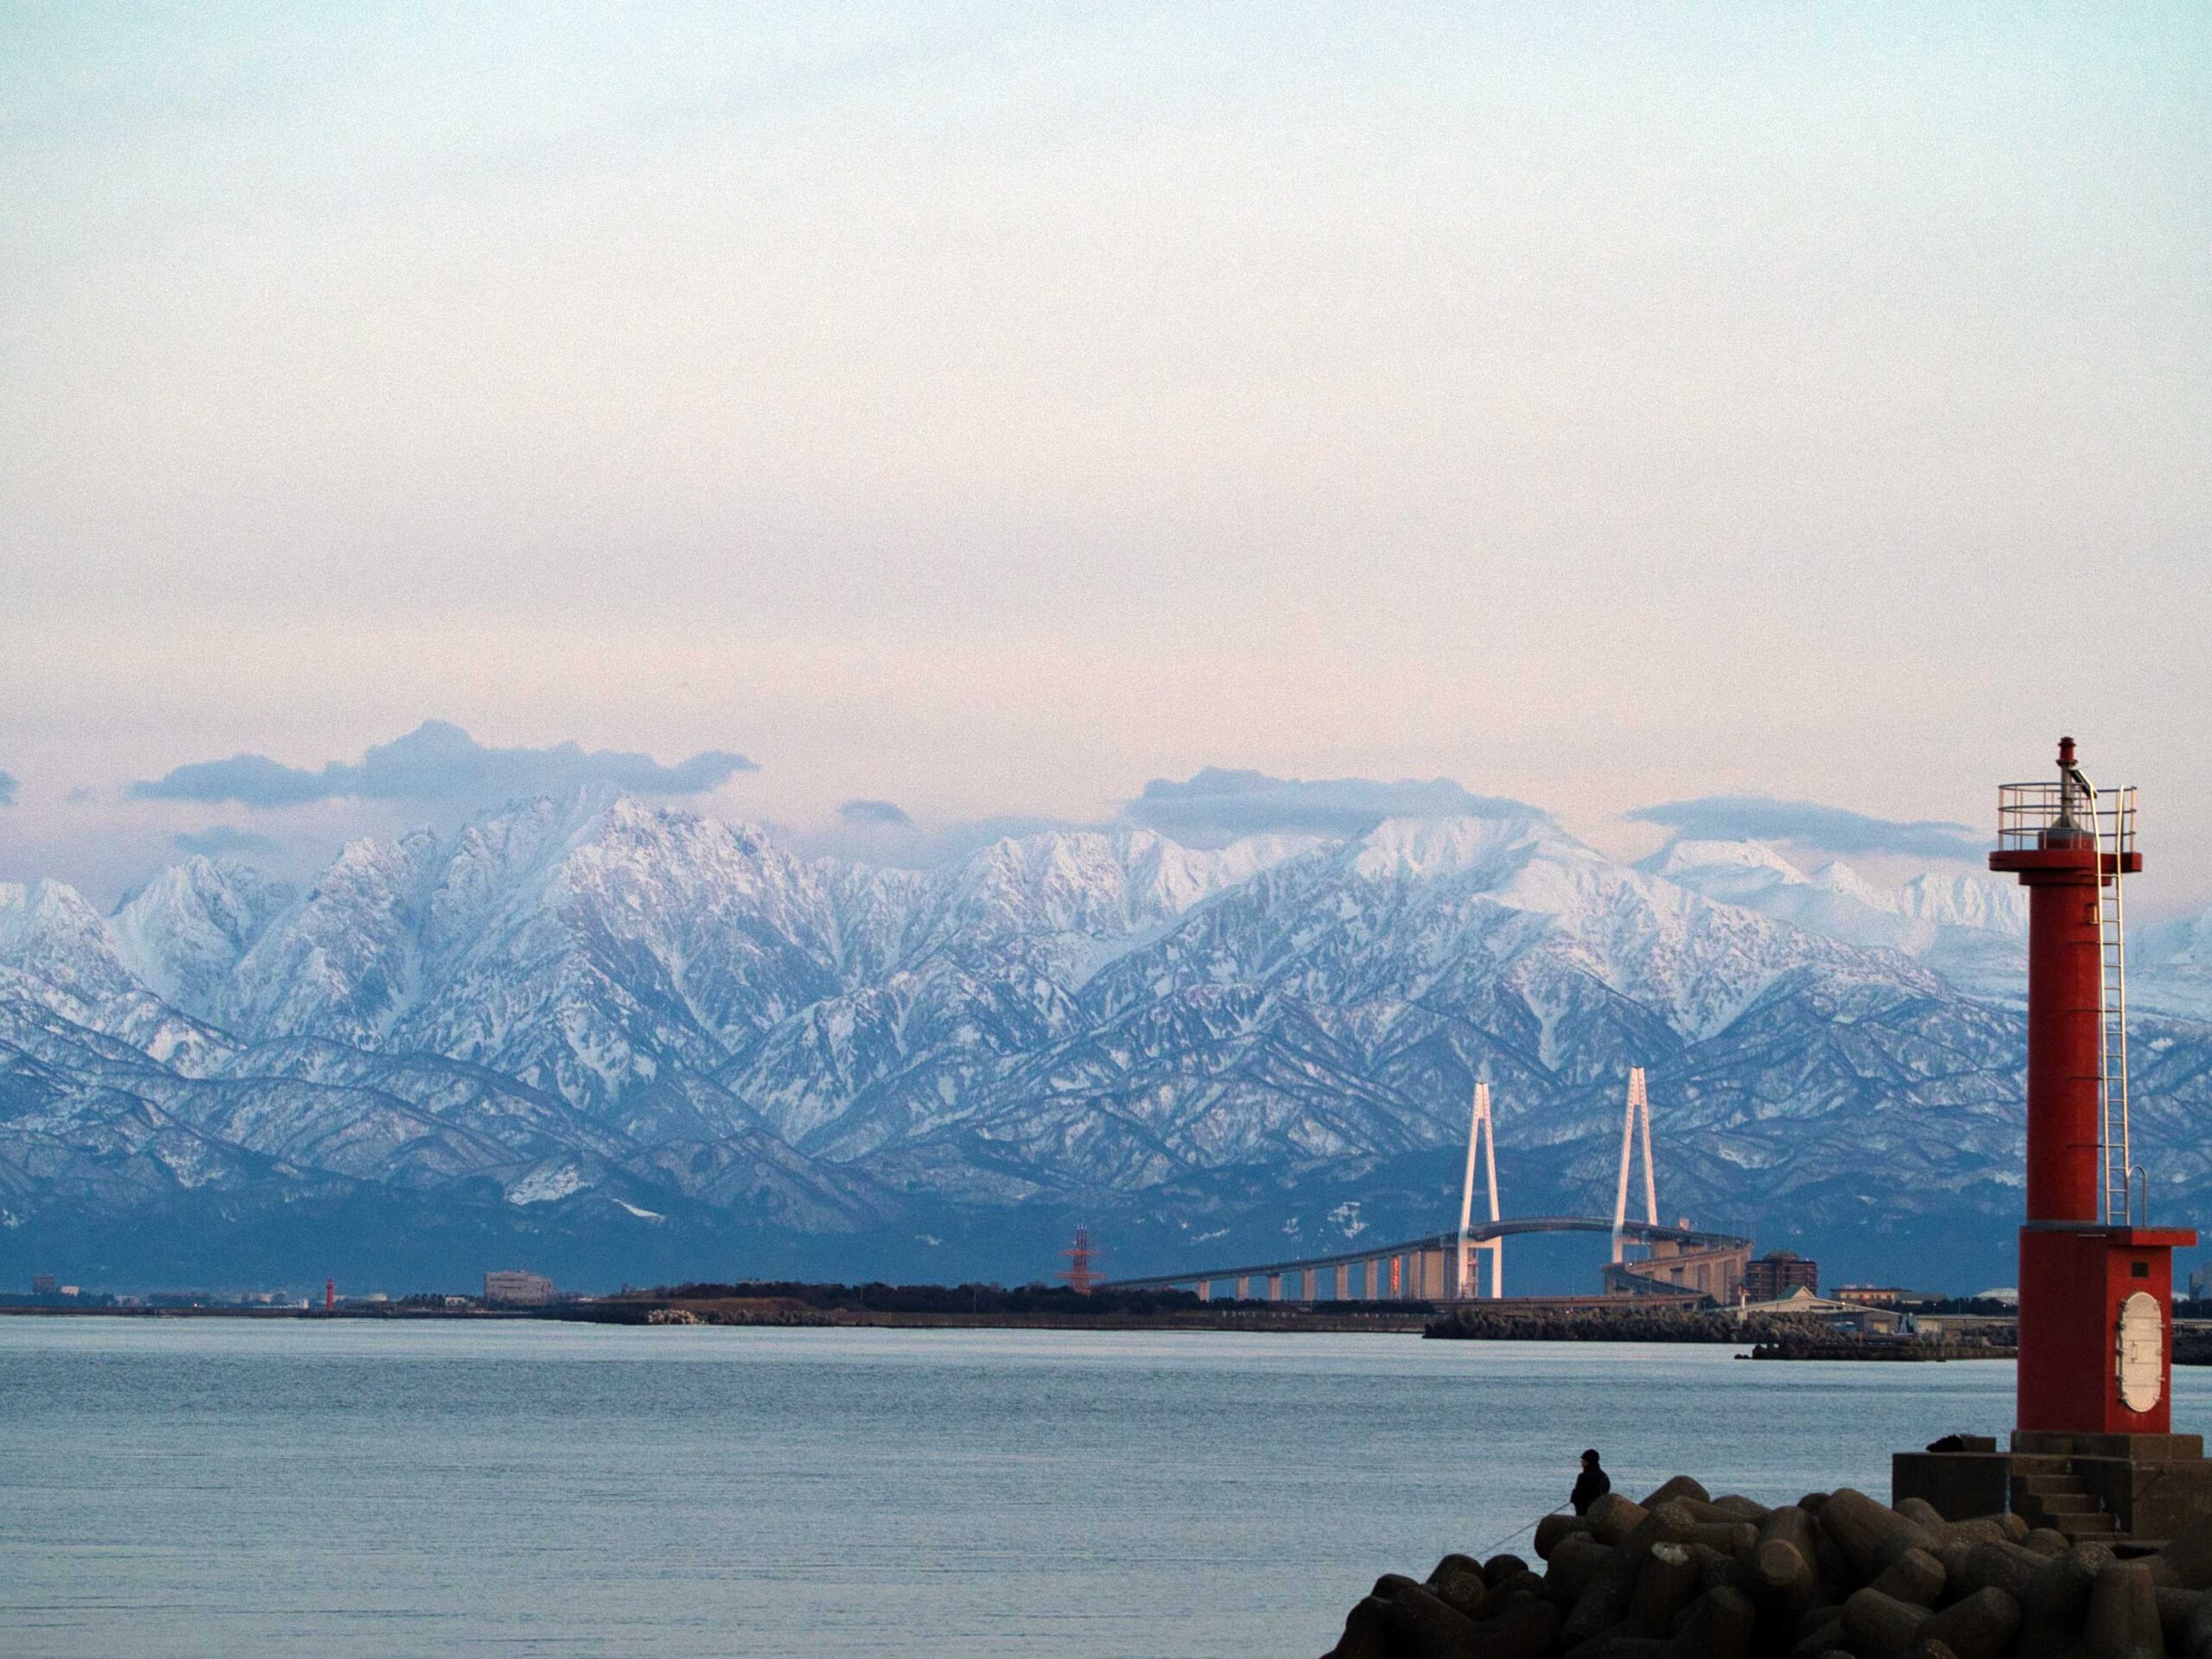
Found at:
<point>516,1289</point>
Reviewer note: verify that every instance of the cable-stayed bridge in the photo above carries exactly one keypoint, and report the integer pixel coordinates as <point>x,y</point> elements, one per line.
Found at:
<point>1677,1260</point>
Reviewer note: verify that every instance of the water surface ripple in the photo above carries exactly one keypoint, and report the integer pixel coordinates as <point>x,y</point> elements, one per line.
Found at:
<point>345,1490</point>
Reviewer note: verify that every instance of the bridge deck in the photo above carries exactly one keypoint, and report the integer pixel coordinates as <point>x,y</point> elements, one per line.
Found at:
<point>1642,1231</point>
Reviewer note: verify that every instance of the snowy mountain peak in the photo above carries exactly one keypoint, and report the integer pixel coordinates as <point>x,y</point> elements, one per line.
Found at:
<point>341,960</point>
<point>1838,878</point>
<point>1092,882</point>
<point>183,930</point>
<point>1972,901</point>
<point>1430,849</point>
<point>1706,858</point>
<point>48,925</point>
<point>44,907</point>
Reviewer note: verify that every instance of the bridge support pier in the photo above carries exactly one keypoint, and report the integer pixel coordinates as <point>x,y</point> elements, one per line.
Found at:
<point>1205,1290</point>
<point>1434,1270</point>
<point>1243,1287</point>
<point>1471,1254</point>
<point>1275,1286</point>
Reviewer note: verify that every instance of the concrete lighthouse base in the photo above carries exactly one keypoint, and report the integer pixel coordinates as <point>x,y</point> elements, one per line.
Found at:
<point>2137,1490</point>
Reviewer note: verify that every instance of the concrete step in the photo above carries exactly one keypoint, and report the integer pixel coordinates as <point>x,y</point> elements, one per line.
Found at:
<point>2087,1529</point>
<point>2069,1503</point>
<point>2042,1486</point>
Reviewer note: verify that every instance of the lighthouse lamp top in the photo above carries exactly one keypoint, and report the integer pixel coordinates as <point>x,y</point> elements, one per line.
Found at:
<point>2065,811</point>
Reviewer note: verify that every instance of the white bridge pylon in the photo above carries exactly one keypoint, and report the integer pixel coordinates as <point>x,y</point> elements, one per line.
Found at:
<point>1639,1113</point>
<point>1483,1133</point>
<point>1444,1266</point>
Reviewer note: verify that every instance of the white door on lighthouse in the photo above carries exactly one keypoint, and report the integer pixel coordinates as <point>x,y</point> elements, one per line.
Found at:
<point>2142,1352</point>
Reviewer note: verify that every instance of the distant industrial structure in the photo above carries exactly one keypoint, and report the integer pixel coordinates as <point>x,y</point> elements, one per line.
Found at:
<point>1681,1261</point>
<point>508,1288</point>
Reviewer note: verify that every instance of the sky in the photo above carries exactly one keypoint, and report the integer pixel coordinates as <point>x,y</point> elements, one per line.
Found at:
<point>976,414</point>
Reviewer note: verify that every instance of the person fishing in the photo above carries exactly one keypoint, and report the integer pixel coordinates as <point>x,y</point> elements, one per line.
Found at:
<point>1591,1484</point>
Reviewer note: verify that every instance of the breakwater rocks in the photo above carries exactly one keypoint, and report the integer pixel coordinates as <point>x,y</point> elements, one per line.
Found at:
<point>1609,1324</point>
<point>1905,1349</point>
<point>1684,1575</point>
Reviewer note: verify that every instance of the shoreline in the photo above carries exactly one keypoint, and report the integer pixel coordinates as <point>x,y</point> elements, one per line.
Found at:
<point>1390,1323</point>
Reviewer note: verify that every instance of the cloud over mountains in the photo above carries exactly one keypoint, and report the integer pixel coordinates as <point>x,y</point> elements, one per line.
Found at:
<point>440,762</point>
<point>1832,829</point>
<point>1216,801</point>
<point>220,839</point>
<point>875,812</point>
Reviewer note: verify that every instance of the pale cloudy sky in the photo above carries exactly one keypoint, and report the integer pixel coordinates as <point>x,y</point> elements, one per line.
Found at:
<point>986,410</point>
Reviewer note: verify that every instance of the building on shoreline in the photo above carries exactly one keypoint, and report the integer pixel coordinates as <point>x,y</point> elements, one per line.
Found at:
<point>510,1288</point>
<point>1777,1273</point>
<point>1872,1295</point>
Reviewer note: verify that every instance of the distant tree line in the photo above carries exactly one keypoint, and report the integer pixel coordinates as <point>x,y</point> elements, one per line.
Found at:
<point>54,1299</point>
<point>1983,1306</point>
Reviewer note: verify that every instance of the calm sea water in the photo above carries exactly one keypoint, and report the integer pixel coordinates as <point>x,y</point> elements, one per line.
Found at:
<point>341,1489</point>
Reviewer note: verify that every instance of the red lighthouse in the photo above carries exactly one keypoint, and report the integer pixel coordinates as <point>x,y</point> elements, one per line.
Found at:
<point>2096,1280</point>
<point>2093,1454</point>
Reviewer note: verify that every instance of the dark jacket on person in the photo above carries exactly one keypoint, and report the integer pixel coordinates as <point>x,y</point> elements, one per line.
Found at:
<point>1590,1485</point>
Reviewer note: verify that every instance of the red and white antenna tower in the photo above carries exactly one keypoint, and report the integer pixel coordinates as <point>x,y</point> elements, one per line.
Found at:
<point>1081,1274</point>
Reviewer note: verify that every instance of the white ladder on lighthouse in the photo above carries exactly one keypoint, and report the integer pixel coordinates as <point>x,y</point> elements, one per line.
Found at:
<point>2112,818</point>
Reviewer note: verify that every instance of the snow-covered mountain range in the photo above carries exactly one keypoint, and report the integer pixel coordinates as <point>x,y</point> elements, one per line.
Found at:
<point>622,1026</point>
